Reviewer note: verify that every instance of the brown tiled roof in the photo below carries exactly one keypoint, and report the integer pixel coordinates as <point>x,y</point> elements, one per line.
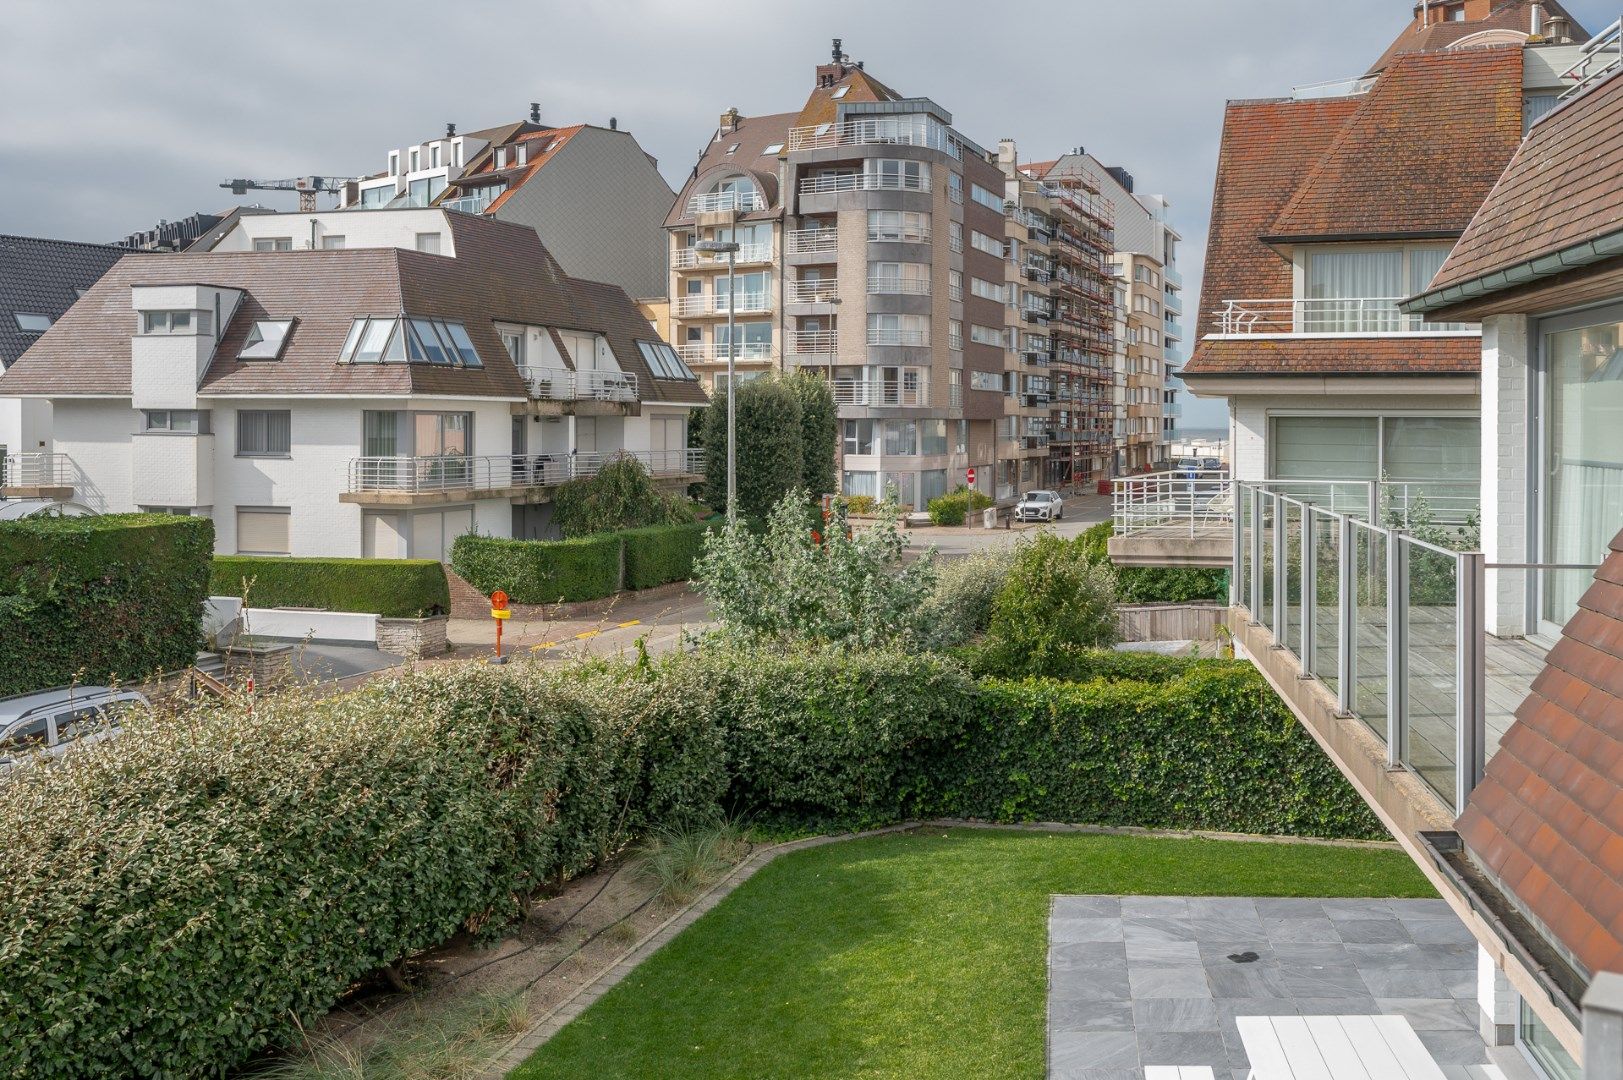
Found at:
<point>1337,356</point>
<point>1506,15</point>
<point>822,107</point>
<point>552,139</point>
<point>1547,820</point>
<point>1266,148</point>
<point>1420,154</point>
<point>1564,187</point>
<point>501,273</point>
<point>753,135</point>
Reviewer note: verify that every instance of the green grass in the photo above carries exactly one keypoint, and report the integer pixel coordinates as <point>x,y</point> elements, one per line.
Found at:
<point>908,955</point>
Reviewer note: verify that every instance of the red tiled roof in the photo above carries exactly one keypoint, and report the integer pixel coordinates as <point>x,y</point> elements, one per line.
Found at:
<point>558,136</point>
<point>1547,820</point>
<point>1507,15</point>
<point>1337,356</point>
<point>1420,154</point>
<point>1564,186</point>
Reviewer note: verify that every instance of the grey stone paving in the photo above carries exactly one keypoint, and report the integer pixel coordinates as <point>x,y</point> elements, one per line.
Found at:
<point>1158,980</point>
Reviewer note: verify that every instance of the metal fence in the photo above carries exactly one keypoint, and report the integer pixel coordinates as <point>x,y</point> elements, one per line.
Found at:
<point>498,472</point>
<point>36,470</point>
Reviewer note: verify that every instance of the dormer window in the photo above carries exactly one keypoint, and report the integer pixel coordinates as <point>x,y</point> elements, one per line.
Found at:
<point>33,324</point>
<point>501,157</point>
<point>266,337</point>
<point>522,154</point>
<point>434,156</point>
<point>409,341</point>
<point>174,322</point>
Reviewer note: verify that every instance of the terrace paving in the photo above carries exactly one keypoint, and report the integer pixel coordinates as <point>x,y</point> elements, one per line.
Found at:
<point>1158,980</point>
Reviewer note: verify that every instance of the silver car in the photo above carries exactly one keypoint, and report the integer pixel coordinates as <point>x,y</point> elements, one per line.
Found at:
<point>52,721</point>
<point>1039,506</point>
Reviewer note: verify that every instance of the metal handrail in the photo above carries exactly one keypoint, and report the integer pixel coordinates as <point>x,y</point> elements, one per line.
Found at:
<point>717,201</point>
<point>1330,316</point>
<point>440,473</point>
<point>879,393</point>
<point>40,469</point>
<point>863,181</point>
<point>813,341</point>
<point>812,291</point>
<point>563,384</point>
<point>894,284</point>
<point>812,241</point>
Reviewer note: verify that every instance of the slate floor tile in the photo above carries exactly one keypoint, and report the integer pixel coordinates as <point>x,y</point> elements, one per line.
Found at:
<point>1081,907</point>
<point>1317,928</point>
<point>1373,931</point>
<point>1083,1015</point>
<point>1093,928</point>
<point>1425,1014</point>
<point>1162,954</point>
<point>1075,1050</point>
<point>1171,982</point>
<point>1182,1048</point>
<point>1175,1014</point>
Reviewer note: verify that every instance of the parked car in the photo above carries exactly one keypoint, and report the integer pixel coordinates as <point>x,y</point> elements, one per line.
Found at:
<point>1189,467</point>
<point>1211,464</point>
<point>1039,506</point>
<point>55,720</point>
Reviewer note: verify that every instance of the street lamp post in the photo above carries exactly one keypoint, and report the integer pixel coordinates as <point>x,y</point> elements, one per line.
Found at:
<point>731,248</point>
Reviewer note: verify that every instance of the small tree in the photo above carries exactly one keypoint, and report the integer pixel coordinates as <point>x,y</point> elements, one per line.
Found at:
<point>791,587</point>
<point>819,433</point>
<point>769,446</point>
<point>1054,602</point>
<point>620,495</point>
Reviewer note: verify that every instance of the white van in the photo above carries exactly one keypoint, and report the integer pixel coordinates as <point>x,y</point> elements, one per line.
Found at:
<point>54,720</point>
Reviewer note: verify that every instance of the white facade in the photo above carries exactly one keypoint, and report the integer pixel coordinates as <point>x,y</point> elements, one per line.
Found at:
<point>355,228</point>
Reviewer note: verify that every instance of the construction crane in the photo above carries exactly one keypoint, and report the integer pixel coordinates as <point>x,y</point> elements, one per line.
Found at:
<point>308,187</point>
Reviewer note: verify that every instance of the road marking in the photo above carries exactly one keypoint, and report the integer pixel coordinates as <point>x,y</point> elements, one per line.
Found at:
<point>630,622</point>
<point>587,634</point>
<point>544,645</point>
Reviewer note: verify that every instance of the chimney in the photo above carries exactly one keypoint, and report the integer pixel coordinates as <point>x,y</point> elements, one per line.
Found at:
<point>1535,26</point>
<point>450,131</point>
<point>838,55</point>
<point>1557,29</point>
<point>614,123</point>
<point>729,119</point>
<point>535,112</point>
<point>1005,151</point>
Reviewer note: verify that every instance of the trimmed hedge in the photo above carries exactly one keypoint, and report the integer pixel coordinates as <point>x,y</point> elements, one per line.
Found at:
<point>196,891</point>
<point>1084,665</point>
<point>116,598</point>
<point>394,588</point>
<point>955,507</point>
<point>540,571</point>
<point>661,554</point>
<point>1156,584</point>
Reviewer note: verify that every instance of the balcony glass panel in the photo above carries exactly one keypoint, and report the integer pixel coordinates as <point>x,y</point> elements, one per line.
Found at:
<point>1431,673</point>
<point>1293,575</point>
<point>1265,522</point>
<point>1369,627</point>
<point>1244,571</point>
<point>1326,589</point>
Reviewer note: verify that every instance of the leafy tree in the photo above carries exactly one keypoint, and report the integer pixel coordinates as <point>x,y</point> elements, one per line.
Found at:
<point>1054,602</point>
<point>769,446</point>
<point>796,586</point>
<point>620,495</point>
<point>819,433</point>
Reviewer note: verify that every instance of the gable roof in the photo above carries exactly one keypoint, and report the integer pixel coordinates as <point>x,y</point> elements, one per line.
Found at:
<point>1563,191</point>
<point>1546,823</point>
<point>822,107</point>
<point>1505,15</point>
<point>39,276</point>
<point>1420,153</point>
<point>544,145</point>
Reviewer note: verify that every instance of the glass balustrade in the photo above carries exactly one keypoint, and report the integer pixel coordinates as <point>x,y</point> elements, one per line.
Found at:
<point>1429,662</point>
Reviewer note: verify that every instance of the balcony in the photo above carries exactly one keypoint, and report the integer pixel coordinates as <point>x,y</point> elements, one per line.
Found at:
<point>812,291</point>
<point>879,393</point>
<point>914,130</point>
<point>1341,317</point>
<point>1038,315</point>
<point>833,184</point>
<point>716,352</point>
<point>692,259</point>
<point>723,201</point>
<point>899,286</point>
<point>470,204</point>
<point>427,480</point>
<point>812,241</point>
<point>37,476</point>
<point>898,337</point>
<point>899,234</point>
<point>813,342</point>
<point>699,305</point>
<point>562,384</point>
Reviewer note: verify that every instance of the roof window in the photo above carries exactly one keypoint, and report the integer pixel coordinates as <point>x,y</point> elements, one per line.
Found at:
<point>775,148</point>
<point>409,341</point>
<point>663,361</point>
<point>841,92</point>
<point>30,323</point>
<point>265,339</point>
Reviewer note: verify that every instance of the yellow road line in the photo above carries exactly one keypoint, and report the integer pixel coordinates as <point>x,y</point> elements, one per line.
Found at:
<point>587,634</point>
<point>630,622</point>
<point>544,645</point>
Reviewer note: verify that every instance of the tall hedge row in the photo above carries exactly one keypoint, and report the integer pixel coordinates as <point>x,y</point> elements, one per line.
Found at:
<point>100,599</point>
<point>395,588</point>
<point>189,894</point>
<point>1156,584</point>
<point>585,568</point>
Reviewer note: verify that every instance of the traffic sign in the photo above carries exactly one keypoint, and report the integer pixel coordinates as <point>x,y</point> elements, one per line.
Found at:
<point>972,476</point>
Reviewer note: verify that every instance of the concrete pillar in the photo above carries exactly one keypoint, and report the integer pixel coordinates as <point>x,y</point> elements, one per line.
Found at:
<point>1507,381</point>
<point>1603,1028</point>
<point>1496,1002</point>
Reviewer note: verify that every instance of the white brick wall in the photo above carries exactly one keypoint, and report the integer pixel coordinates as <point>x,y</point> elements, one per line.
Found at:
<point>1506,367</point>
<point>96,435</point>
<point>1496,1001</point>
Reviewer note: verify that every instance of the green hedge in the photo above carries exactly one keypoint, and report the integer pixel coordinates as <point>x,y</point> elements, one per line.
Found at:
<point>100,599</point>
<point>954,508</point>
<point>206,886</point>
<point>540,571</point>
<point>661,554</point>
<point>395,588</point>
<point>1084,665</point>
<point>1157,584</point>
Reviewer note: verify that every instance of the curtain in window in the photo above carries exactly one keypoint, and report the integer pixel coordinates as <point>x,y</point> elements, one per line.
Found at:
<point>1339,284</point>
<point>1584,458</point>
<point>380,434</point>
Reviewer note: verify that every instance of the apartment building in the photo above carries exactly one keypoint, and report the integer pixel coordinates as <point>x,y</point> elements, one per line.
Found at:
<point>373,400</point>
<point>592,193</point>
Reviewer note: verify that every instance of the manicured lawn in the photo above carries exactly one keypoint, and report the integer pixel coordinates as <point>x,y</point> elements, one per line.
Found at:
<point>909,955</point>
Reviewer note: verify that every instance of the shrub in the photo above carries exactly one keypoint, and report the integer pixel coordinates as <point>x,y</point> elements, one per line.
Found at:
<point>769,463</point>
<point>819,433</point>
<point>394,588</point>
<point>540,571</point>
<point>100,599</point>
<point>965,591</point>
<point>786,587</point>
<point>1083,665</point>
<point>662,553</point>
<point>620,495</point>
<point>955,507</point>
<point>1156,584</point>
<point>859,504</point>
<point>1053,603</point>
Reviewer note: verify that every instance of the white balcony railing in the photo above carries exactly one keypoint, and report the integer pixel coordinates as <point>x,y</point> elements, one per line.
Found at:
<point>562,384</point>
<point>898,337</point>
<point>809,342</point>
<point>693,258</point>
<point>36,470</point>
<point>826,185</point>
<point>712,352</point>
<point>443,473</point>
<point>700,304</point>
<point>1339,317</point>
<point>812,291</point>
<point>879,393</point>
<point>811,241</point>
<point>890,284</point>
<point>718,201</point>
<point>899,234</point>
<point>915,130</point>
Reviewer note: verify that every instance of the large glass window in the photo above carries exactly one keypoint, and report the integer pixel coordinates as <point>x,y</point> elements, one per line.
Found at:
<point>264,433</point>
<point>441,434</point>
<point>1539,1043</point>
<point>1583,457</point>
<point>859,437</point>
<point>901,438</point>
<point>1431,459</point>
<point>1356,290</point>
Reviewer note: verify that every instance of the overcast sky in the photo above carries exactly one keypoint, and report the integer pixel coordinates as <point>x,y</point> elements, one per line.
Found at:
<point>119,113</point>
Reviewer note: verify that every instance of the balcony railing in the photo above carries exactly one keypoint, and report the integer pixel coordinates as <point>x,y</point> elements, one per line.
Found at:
<point>562,384</point>
<point>713,352</point>
<point>886,284</point>
<point>1392,625</point>
<point>692,258</point>
<point>468,204</point>
<point>698,304</point>
<point>718,201</point>
<point>443,473</point>
<point>37,470</point>
<point>826,185</point>
<point>812,291</point>
<point>916,130</point>
<point>806,342</point>
<point>879,393</point>
<point>1338,317</point>
<point>899,234</point>
<point>812,241</point>
<point>898,337</point>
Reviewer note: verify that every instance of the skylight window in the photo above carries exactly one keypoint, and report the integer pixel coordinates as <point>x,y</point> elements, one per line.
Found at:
<point>663,361</point>
<point>33,324</point>
<point>265,339</point>
<point>733,148</point>
<point>841,92</point>
<point>775,148</point>
<point>411,341</point>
